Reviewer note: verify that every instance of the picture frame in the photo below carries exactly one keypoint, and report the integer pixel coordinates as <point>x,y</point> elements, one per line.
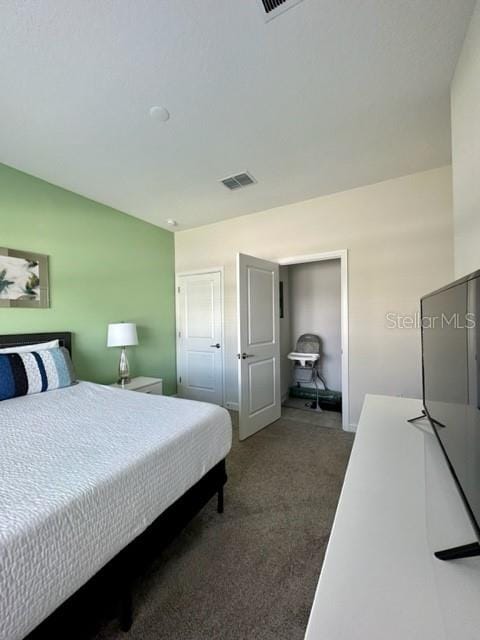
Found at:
<point>24,279</point>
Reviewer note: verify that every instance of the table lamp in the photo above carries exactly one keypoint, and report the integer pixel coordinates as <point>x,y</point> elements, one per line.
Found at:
<point>122,334</point>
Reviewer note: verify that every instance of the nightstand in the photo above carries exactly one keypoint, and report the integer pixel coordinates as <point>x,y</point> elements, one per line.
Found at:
<point>143,384</point>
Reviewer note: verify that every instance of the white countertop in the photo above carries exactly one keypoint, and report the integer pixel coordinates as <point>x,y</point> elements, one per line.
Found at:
<point>380,580</point>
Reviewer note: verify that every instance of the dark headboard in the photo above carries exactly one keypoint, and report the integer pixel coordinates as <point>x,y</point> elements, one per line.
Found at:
<point>22,339</point>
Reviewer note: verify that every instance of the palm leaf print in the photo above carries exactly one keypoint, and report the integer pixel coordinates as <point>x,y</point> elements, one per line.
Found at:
<point>4,283</point>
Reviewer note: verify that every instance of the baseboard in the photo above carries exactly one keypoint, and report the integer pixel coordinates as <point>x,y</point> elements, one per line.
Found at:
<point>351,427</point>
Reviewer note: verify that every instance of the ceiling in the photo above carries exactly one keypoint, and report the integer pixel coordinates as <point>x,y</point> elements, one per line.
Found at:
<point>329,95</point>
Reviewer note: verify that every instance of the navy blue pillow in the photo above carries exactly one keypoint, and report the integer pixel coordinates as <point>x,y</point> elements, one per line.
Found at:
<point>22,374</point>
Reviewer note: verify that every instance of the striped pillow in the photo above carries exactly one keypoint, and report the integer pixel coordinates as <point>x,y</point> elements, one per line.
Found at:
<point>24,373</point>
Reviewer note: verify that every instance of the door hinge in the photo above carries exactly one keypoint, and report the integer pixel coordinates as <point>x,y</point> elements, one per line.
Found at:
<point>179,334</point>
<point>178,289</point>
<point>180,380</point>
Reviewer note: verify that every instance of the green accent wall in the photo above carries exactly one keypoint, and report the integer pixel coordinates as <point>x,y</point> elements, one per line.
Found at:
<point>105,266</point>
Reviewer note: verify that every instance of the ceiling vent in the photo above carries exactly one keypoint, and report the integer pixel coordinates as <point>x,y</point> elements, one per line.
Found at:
<point>273,8</point>
<point>238,181</point>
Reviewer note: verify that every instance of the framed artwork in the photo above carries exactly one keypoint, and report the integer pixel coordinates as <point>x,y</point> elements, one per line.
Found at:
<point>23,279</point>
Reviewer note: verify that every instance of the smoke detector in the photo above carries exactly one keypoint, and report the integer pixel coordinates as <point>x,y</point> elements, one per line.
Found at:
<point>160,114</point>
<point>238,181</point>
<point>273,8</point>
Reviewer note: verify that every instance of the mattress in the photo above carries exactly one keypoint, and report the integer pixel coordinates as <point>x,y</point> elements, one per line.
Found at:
<point>84,470</point>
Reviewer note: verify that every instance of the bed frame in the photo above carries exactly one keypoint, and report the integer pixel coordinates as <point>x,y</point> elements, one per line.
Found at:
<point>117,577</point>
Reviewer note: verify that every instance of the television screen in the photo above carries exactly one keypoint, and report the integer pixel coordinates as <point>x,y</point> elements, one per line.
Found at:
<point>451,395</point>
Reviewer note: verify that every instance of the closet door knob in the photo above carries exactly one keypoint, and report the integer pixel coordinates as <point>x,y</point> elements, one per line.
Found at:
<point>216,346</point>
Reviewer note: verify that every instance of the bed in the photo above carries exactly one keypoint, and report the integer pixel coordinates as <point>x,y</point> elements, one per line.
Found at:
<point>87,472</point>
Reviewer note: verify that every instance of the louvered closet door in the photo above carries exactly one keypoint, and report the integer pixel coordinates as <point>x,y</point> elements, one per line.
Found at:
<point>200,348</point>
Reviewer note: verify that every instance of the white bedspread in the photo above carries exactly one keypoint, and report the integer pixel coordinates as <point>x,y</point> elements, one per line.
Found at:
<point>83,471</point>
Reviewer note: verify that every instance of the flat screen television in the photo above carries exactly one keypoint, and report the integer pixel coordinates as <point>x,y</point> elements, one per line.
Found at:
<point>450,325</point>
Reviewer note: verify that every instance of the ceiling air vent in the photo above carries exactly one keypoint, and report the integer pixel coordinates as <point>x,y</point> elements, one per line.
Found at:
<point>273,8</point>
<point>238,181</point>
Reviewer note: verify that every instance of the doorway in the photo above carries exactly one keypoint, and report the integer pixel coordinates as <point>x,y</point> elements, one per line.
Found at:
<point>258,307</point>
<point>200,339</point>
<point>310,342</point>
<point>341,256</point>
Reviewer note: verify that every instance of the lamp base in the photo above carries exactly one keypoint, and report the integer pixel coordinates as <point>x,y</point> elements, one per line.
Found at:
<point>123,369</point>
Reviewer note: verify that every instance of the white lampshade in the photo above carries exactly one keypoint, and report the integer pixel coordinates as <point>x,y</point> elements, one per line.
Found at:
<point>122,334</point>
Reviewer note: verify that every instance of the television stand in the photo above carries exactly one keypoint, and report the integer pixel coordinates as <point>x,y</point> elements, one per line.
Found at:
<point>455,553</point>
<point>385,487</point>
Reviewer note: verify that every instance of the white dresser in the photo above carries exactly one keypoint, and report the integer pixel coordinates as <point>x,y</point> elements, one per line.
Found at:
<point>380,580</point>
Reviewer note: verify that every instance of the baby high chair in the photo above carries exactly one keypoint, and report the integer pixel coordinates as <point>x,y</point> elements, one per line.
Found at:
<point>307,362</point>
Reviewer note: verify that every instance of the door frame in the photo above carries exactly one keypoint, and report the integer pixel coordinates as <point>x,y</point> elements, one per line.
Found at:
<point>197,272</point>
<point>341,254</point>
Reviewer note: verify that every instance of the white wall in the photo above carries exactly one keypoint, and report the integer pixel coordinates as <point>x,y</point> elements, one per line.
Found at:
<point>399,237</point>
<point>465,99</point>
<point>315,307</point>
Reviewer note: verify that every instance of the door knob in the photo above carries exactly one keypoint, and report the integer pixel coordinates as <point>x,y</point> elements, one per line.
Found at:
<point>245,355</point>
<point>217,346</point>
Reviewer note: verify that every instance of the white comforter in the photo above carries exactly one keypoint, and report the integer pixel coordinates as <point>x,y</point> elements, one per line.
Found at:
<point>83,471</point>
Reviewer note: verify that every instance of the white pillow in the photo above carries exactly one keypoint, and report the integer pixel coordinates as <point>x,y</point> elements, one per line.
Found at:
<point>28,348</point>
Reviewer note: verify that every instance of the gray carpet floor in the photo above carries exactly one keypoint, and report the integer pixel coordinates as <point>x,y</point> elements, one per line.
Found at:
<point>294,409</point>
<point>250,573</point>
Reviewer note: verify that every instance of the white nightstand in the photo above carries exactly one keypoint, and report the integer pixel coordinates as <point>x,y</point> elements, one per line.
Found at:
<point>143,385</point>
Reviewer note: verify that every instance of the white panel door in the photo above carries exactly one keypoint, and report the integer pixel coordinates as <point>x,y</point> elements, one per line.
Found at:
<point>199,337</point>
<point>259,344</point>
